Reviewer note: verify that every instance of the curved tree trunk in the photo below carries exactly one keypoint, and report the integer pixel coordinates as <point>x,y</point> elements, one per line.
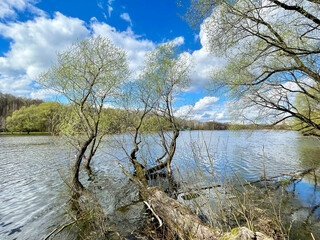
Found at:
<point>87,160</point>
<point>76,168</point>
<point>167,162</point>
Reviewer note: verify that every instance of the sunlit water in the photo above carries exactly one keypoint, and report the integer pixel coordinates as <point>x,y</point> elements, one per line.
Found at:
<point>33,195</point>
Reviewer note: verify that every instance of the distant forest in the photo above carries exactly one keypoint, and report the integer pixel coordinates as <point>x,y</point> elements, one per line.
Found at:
<point>212,125</point>
<point>10,103</point>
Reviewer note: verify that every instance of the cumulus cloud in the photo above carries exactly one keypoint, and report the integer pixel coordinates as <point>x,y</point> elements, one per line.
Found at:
<point>281,95</point>
<point>135,46</point>
<point>33,48</point>
<point>126,17</point>
<point>178,41</point>
<point>205,103</point>
<point>19,84</point>
<point>34,44</point>
<point>203,63</point>
<point>206,109</point>
<point>43,94</point>
<point>9,8</point>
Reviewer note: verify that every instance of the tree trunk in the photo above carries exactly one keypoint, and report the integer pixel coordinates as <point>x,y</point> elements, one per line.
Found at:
<point>182,220</point>
<point>91,153</point>
<point>186,224</point>
<point>76,168</point>
<point>167,162</point>
<point>179,218</point>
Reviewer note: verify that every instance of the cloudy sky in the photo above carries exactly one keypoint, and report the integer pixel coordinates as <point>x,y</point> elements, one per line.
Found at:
<point>32,31</point>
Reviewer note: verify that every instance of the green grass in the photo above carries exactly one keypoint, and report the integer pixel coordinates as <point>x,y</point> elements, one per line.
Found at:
<point>24,134</point>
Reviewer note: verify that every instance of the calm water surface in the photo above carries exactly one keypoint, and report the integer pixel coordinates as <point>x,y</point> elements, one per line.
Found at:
<point>33,195</point>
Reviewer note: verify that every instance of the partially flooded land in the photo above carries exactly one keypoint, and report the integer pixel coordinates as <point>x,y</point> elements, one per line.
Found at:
<point>213,174</point>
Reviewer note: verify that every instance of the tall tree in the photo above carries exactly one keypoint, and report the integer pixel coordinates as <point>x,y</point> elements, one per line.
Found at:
<point>164,74</point>
<point>87,74</point>
<point>272,50</point>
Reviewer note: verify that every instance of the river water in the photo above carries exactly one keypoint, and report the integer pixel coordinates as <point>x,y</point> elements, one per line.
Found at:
<point>33,195</point>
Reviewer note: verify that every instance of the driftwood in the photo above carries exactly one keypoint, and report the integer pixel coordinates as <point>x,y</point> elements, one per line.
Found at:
<point>58,229</point>
<point>294,175</point>
<point>182,220</point>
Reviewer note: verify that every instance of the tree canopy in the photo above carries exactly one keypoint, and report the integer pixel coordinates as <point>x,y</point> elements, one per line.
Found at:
<point>88,74</point>
<point>164,74</point>
<point>41,118</point>
<point>10,103</point>
<point>272,50</point>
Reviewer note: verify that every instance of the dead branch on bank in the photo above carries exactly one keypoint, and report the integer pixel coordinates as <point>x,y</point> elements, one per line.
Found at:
<point>58,229</point>
<point>299,174</point>
<point>182,220</point>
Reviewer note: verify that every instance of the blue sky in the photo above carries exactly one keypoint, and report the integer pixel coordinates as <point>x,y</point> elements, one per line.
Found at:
<point>32,31</point>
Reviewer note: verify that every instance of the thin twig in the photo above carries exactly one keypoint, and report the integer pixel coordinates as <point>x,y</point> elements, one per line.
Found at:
<point>157,217</point>
<point>58,229</point>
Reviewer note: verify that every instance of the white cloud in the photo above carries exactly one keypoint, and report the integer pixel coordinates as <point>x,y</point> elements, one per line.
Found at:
<point>33,48</point>
<point>110,9</point>
<point>43,94</point>
<point>245,109</point>
<point>203,63</point>
<point>9,8</point>
<point>126,17</point>
<point>206,109</point>
<point>205,103</point>
<point>281,95</point>
<point>107,105</point>
<point>135,46</point>
<point>34,43</point>
<point>101,4</point>
<point>18,84</point>
<point>178,41</point>
<point>184,111</point>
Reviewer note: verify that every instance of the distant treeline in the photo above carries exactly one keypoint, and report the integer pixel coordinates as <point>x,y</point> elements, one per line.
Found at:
<point>212,125</point>
<point>196,125</point>
<point>27,115</point>
<point>56,118</point>
<point>10,103</point>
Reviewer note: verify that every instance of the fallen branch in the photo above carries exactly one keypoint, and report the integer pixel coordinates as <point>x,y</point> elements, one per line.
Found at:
<point>179,218</point>
<point>295,175</point>
<point>58,229</point>
<point>157,217</point>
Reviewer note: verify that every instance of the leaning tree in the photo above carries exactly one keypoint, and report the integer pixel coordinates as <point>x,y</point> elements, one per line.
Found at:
<point>272,51</point>
<point>87,75</point>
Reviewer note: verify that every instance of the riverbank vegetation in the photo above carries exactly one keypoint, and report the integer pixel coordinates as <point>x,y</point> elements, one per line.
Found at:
<point>10,103</point>
<point>46,117</point>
